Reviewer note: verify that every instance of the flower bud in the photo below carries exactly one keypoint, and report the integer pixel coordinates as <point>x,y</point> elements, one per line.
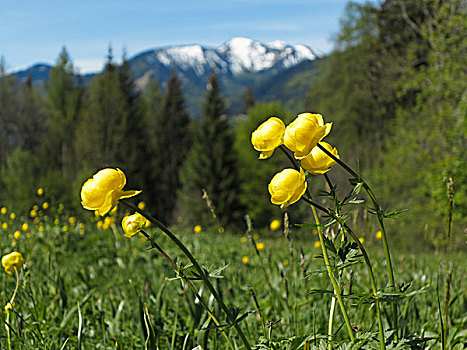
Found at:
<point>132,224</point>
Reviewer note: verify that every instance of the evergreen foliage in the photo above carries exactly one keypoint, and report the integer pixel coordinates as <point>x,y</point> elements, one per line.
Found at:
<point>172,142</point>
<point>212,165</point>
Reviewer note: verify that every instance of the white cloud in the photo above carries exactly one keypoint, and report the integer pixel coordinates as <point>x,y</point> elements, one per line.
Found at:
<point>88,65</point>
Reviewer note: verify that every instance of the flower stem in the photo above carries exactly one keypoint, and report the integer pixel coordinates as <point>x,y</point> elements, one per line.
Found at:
<point>201,272</point>
<point>380,217</point>
<point>331,320</point>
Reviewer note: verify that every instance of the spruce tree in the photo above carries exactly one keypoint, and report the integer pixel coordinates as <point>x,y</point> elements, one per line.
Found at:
<point>171,143</point>
<point>212,165</point>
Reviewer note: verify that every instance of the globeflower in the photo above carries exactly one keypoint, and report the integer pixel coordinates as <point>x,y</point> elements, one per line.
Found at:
<point>287,187</point>
<point>132,224</point>
<point>12,261</point>
<point>102,192</point>
<point>319,162</point>
<point>268,137</point>
<point>302,135</point>
<point>274,225</point>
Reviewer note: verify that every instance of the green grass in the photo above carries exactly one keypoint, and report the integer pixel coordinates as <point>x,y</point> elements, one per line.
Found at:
<point>97,289</point>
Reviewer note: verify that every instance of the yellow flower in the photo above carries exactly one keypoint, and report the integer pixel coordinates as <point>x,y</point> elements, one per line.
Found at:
<point>319,162</point>
<point>268,137</point>
<point>103,190</point>
<point>243,239</point>
<point>285,262</point>
<point>317,244</point>
<point>35,207</point>
<point>260,246</point>
<point>40,191</point>
<point>5,226</point>
<point>12,216</point>
<point>65,228</point>
<point>287,187</point>
<point>41,228</point>
<point>245,260</point>
<point>302,135</point>
<point>141,205</point>
<point>12,261</point>
<point>25,227</point>
<point>45,205</point>
<point>132,224</point>
<point>36,220</point>
<point>33,213</point>
<point>3,211</point>
<point>17,234</point>
<point>56,221</point>
<point>197,229</point>
<point>99,224</point>
<point>362,240</point>
<point>315,231</point>
<point>379,235</point>
<point>256,236</point>
<point>274,225</point>
<point>72,220</point>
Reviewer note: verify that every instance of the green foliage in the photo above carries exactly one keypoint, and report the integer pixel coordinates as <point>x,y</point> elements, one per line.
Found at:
<point>212,165</point>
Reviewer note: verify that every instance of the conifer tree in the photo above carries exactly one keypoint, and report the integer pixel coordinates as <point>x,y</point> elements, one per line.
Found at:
<point>212,165</point>
<point>171,142</point>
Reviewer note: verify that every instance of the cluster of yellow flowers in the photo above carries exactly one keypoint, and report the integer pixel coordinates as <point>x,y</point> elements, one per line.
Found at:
<point>301,137</point>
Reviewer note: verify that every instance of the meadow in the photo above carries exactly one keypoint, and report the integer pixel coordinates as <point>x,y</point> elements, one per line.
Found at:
<point>85,286</point>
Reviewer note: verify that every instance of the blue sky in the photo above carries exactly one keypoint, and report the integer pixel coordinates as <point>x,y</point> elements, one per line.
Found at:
<point>33,31</point>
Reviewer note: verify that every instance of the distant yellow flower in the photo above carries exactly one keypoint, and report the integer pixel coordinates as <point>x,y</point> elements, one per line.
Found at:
<point>12,216</point>
<point>3,211</point>
<point>379,235</point>
<point>99,224</point>
<point>72,220</point>
<point>45,205</point>
<point>33,213</point>
<point>317,244</point>
<point>256,236</point>
<point>315,231</point>
<point>319,162</point>
<point>302,135</point>
<point>260,246</point>
<point>41,228</point>
<point>287,187</point>
<point>5,226</point>
<point>285,262</point>
<point>362,240</point>
<point>12,261</point>
<point>268,137</point>
<point>245,260</point>
<point>197,229</point>
<point>36,220</point>
<point>35,207</point>
<point>65,228</point>
<point>104,189</point>
<point>56,221</point>
<point>17,234</point>
<point>141,205</point>
<point>274,225</point>
<point>40,191</point>
<point>132,224</point>
<point>243,239</point>
<point>25,227</point>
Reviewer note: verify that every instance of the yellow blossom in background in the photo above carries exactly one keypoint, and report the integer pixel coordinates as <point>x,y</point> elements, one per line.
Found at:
<point>268,137</point>
<point>285,262</point>
<point>35,207</point>
<point>28,235</point>
<point>12,216</point>
<point>12,261</point>
<point>99,224</point>
<point>3,211</point>
<point>10,236</point>
<point>319,162</point>
<point>65,228</point>
<point>72,220</point>
<point>25,227</point>
<point>40,191</point>
<point>315,231</point>
<point>256,236</point>
<point>197,229</point>
<point>17,234</point>
<point>243,239</point>
<point>41,228</point>
<point>287,187</point>
<point>45,205</point>
<point>362,240</point>
<point>142,205</point>
<point>302,135</point>
<point>260,246</point>
<point>245,260</point>
<point>5,226</point>
<point>379,235</point>
<point>274,225</point>
<point>33,213</point>
<point>56,221</point>
<point>36,220</point>
<point>317,244</point>
<point>104,189</point>
<point>132,224</point>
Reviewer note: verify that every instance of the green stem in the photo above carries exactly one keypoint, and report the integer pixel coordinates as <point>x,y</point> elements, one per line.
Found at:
<point>196,265</point>
<point>380,217</point>
<point>10,306</point>
<point>331,321</point>
<point>331,276</point>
